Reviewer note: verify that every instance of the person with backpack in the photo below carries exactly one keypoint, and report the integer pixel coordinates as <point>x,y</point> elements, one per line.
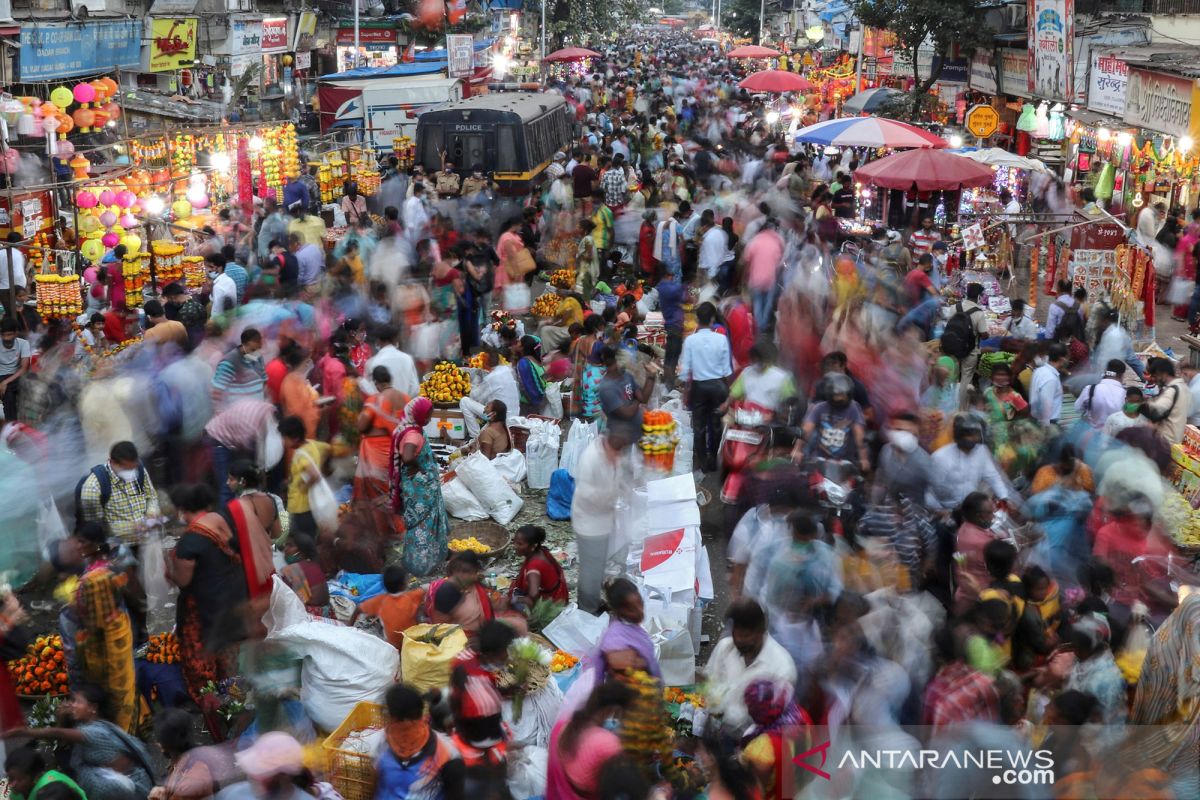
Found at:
<point>117,493</point>
<point>961,337</point>
<point>1064,306</point>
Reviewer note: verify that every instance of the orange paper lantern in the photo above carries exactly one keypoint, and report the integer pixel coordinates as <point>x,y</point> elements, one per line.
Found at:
<point>65,124</point>
<point>83,118</point>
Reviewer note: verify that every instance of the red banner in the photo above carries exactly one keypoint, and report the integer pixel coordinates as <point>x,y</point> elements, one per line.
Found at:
<point>244,188</point>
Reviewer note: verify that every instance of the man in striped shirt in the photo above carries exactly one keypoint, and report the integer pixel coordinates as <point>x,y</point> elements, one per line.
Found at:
<point>924,238</point>
<point>240,374</point>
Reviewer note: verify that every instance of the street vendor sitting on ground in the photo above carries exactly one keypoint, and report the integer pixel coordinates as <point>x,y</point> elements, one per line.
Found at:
<point>500,383</point>
<point>493,438</point>
<point>557,331</point>
<point>460,599</point>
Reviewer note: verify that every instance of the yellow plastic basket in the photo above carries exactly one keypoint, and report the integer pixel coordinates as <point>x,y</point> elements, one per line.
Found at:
<point>351,773</point>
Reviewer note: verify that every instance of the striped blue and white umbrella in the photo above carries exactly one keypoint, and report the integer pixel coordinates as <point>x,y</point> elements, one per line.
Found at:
<point>868,132</point>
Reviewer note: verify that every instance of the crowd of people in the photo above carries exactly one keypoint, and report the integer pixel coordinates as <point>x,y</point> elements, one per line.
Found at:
<point>955,521</point>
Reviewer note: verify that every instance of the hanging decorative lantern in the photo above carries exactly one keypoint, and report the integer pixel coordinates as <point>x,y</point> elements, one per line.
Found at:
<point>27,125</point>
<point>84,199</point>
<point>63,149</point>
<point>83,119</point>
<point>84,93</point>
<point>62,97</point>
<point>80,165</point>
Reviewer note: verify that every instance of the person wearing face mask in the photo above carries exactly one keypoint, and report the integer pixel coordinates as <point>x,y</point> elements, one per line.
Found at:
<point>1046,393</point>
<point>494,438</point>
<point>1129,415</point>
<point>1168,412</point>
<point>957,468</point>
<point>978,513</point>
<point>904,466</point>
<point>474,183</point>
<point>118,493</point>
<point>15,354</point>
<point>240,375</point>
<point>835,429</point>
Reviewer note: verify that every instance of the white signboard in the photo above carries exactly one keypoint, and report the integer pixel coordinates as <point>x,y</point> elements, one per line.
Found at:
<point>1159,102</point>
<point>1107,81</point>
<point>1014,72</point>
<point>1051,38</point>
<point>460,50</point>
<point>983,73</point>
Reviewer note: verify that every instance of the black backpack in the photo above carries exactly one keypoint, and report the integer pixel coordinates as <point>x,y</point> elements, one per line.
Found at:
<point>104,479</point>
<point>958,338</point>
<point>1070,324</point>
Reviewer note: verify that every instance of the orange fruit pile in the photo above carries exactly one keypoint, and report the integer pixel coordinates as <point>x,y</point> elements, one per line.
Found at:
<point>163,648</point>
<point>43,668</point>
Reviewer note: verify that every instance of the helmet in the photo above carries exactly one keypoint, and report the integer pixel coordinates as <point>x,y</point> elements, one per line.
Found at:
<point>837,383</point>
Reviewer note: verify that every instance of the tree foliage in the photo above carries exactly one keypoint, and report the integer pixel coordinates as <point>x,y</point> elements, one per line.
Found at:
<point>943,24</point>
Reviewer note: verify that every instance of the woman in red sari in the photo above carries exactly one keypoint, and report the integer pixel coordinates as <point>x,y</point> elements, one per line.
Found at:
<point>377,422</point>
<point>256,525</point>
<point>540,575</point>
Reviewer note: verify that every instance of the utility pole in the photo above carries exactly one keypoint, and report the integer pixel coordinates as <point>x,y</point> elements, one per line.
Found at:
<point>862,36</point>
<point>762,17</point>
<point>357,42</point>
<point>543,31</point>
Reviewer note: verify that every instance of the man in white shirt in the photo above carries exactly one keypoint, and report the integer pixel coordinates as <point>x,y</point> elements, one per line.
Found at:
<point>747,655</point>
<point>399,364</point>
<point>714,246</point>
<point>704,368</point>
<point>1021,325</point>
<point>500,383</point>
<point>1046,393</point>
<point>603,476</point>
<point>760,531</point>
<point>1149,220</point>
<point>1191,374</point>
<point>224,288</point>
<point>957,469</point>
<point>1130,415</point>
<point>1100,400</point>
<point>18,264</point>
<point>415,216</point>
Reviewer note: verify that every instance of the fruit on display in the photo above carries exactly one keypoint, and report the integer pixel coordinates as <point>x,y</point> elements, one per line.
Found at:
<point>562,661</point>
<point>43,668</point>
<point>446,384</point>
<point>468,545</point>
<point>563,278</point>
<point>545,306</point>
<point>163,648</point>
<point>58,296</point>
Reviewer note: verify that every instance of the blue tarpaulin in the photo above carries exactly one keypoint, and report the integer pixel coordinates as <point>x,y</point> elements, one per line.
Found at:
<point>426,62</point>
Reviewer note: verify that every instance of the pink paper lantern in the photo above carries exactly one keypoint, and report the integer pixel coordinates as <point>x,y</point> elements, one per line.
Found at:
<point>129,221</point>
<point>86,200</point>
<point>84,93</point>
<point>110,239</point>
<point>108,197</point>
<point>108,218</point>
<point>126,199</point>
<point>12,159</point>
<point>64,149</point>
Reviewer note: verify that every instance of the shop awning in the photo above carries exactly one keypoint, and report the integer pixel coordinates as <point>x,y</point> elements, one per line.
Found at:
<point>399,70</point>
<point>162,106</point>
<point>1095,119</point>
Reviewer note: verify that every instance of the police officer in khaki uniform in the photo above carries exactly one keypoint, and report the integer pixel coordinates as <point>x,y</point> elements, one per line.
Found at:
<point>475,182</point>
<point>446,181</point>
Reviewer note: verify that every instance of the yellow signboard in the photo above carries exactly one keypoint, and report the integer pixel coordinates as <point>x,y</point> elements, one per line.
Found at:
<point>982,121</point>
<point>172,43</point>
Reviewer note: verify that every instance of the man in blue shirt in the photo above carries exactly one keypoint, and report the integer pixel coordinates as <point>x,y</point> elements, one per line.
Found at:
<point>241,278</point>
<point>670,301</point>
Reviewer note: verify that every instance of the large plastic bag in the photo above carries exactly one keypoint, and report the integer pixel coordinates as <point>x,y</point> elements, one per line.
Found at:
<point>541,453</point>
<point>554,403</point>
<point>50,527</point>
<point>562,492</point>
<point>461,503</point>
<point>511,465</point>
<point>489,487</point>
<point>673,649</point>
<point>425,341</point>
<point>341,667</point>
<point>578,437</point>
<point>539,710</point>
<point>153,566</point>
<point>576,631</point>
<point>425,665</point>
<point>527,767</point>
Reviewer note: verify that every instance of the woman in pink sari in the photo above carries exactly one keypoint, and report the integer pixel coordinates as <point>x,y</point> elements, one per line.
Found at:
<point>581,745</point>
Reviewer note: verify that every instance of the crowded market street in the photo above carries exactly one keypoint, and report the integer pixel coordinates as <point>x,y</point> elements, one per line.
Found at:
<point>724,407</point>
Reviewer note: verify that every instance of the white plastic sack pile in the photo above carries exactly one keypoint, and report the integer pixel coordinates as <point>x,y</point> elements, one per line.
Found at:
<point>541,452</point>
<point>341,666</point>
<point>511,465</point>
<point>578,437</point>
<point>461,503</point>
<point>489,487</point>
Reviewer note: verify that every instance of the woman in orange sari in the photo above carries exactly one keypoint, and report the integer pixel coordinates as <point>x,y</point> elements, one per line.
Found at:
<point>377,422</point>
<point>297,397</point>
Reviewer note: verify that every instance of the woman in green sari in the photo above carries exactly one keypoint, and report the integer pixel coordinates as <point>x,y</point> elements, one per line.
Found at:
<point>417,491</point>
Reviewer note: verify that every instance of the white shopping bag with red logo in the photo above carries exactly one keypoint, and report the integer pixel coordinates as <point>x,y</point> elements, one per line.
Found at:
<point>668,560</point>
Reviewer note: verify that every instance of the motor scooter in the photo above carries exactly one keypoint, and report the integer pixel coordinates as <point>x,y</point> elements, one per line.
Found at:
<point>745,442</point>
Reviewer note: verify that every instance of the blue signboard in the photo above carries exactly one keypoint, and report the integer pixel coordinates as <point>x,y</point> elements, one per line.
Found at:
<point>63,50</point>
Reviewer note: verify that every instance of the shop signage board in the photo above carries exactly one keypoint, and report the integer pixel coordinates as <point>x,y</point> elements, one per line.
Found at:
<point>306,31</point>
<point>1051,38</point>
<point>62,50</point>
<point>172,43</point>
<point>1160,102</point>
<point>367,36</point>
<point>982,121</point>
<point>983,73</point>
<point>245,36</point>
<point>274,36</point>
<point>1107,81</point>
<point>304,59</point>
<point>460,49</point>
<point>1014,72</point>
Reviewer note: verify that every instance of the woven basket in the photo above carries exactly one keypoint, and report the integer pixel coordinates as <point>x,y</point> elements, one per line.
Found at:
<point>493,534</point>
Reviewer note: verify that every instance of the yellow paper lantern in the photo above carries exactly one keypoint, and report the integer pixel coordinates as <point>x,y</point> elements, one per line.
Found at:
<point>182,209</point>
<point>132,242</point>
<point>92,250</point>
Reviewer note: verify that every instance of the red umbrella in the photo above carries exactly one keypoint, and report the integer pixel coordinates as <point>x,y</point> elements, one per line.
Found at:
<point>929,170</point>
<point>752,51</point>
<point>571,54</point>
<point>776,80</point>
